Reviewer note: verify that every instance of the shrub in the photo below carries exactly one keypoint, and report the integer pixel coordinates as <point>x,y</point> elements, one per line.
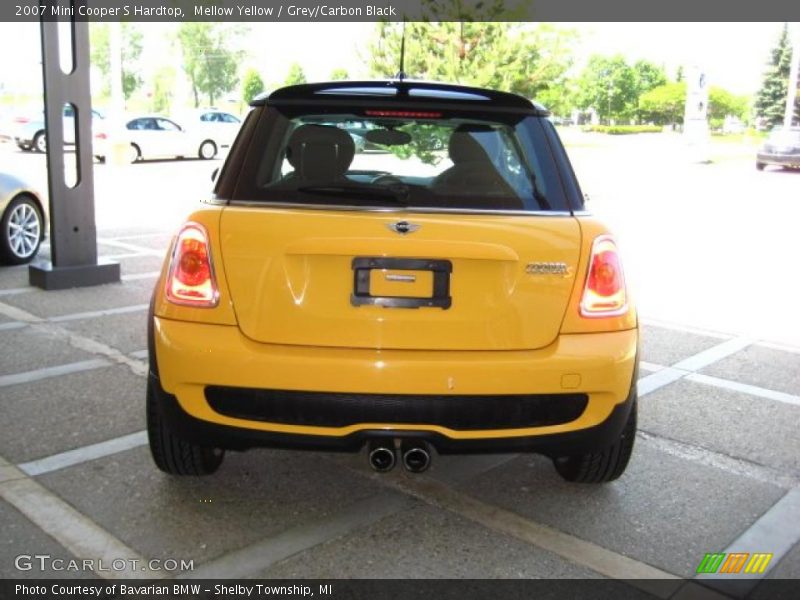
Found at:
<point>623,129</point>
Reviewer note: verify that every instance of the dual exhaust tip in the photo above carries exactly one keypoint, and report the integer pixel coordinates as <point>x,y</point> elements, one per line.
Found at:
<point>416,456</point>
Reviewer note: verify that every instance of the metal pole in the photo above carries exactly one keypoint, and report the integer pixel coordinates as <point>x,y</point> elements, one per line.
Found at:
<point>73,234</point>
<point>791,96</point>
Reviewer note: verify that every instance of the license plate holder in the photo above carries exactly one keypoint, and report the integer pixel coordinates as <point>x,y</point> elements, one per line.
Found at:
<point>362,272</point>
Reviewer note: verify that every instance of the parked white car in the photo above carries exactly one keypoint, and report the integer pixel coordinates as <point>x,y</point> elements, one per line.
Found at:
<point>218,125</point>
<point>157,136</point>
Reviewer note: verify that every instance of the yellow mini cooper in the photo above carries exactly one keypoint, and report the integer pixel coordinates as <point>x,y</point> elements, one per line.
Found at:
<point>397,266</point>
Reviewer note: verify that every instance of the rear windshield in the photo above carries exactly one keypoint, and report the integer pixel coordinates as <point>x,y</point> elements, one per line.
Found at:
<point>424,159</point>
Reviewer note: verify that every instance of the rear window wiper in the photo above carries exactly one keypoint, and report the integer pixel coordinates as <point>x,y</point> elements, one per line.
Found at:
<point>396,193</point>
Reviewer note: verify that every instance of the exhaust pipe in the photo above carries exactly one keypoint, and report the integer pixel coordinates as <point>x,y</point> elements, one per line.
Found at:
<point>381,457</point>
<point>416,456</point>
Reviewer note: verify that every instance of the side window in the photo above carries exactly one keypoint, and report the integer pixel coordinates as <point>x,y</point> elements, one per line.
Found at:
<point>135,124</point>
<point>229,119</point>
<point>207,117</point>
<point>166,125</point>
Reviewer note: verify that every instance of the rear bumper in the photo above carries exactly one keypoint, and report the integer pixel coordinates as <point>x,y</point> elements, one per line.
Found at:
<point>783,160</point>
<point>189,357</point>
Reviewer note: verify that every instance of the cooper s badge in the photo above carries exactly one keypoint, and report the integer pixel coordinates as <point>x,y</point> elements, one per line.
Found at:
<point>546,268</point>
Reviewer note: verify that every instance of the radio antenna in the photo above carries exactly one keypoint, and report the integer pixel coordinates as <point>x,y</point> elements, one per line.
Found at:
<point>401,75</point>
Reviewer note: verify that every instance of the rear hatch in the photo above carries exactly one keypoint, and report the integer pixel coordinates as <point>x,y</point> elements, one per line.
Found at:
<point>348,279</point>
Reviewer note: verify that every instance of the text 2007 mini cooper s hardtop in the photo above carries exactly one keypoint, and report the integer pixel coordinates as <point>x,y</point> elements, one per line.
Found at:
<point>440,288</point>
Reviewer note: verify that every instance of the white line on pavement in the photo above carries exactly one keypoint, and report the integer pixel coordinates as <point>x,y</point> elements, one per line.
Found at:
<point>99,313</point>
<point>258,557</point>
<point>659,379</point>
<point>81,536</point>
<point>745,388</point>
<point>713,354</point>
<point>138,276</point>
<point>48,372</point>
<point>84,454</point>
<point>142,250</point>
<point>590,555</point>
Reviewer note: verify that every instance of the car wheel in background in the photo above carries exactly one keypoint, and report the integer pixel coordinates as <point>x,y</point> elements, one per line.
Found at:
<point>208,150</point>
<point>172,454</point>
<point>22,226</point>
<point>134,154</point>
<point>603,466</point>
<point>40,142</point>
<point>24,147</point>
<point>760,166</point>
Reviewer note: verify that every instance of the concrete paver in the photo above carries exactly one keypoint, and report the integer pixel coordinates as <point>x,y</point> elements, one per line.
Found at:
<point>47,416</point>
<point>665,511</point>
<point>21,537</point>
<point>31,348</point>
<point>254,495</point>
<point>666,347</point>
<point>765,367</point>
<point>740,425</point>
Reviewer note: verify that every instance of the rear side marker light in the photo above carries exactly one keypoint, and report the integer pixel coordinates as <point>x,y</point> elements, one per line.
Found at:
<point>406,114</point>
<point>190,279</point>
<point>604,294</point>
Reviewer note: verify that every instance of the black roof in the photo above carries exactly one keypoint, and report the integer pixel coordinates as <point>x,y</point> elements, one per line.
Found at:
<point>401,92</point>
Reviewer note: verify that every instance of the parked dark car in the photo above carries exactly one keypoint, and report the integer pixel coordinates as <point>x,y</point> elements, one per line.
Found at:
<point>782,149</point>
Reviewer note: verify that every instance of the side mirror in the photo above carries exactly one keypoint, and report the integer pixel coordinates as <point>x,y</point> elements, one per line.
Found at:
<point>214,174</point>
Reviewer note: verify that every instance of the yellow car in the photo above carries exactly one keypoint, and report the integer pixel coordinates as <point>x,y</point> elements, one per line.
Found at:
<point>442,289</point>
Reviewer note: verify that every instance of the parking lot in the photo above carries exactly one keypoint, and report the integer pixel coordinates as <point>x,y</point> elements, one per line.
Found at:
<point>716,467</point>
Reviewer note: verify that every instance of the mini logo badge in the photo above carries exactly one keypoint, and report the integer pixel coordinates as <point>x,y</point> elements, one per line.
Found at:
<point>403,227</point>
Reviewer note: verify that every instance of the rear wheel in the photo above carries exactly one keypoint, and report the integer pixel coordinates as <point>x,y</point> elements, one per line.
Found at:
<point>760,166</point>
<point>605,465</point>
<point>40,142</point>
<point>174,455</point>
<point>208,150</point>
<point>134,154</point>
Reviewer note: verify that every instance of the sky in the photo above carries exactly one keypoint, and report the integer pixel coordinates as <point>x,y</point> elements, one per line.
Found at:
<point>733,54</point>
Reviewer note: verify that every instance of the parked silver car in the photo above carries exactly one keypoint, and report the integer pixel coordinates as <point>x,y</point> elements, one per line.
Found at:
<point>29,132</point>
<point>23,221</point>
<point>782,148</point>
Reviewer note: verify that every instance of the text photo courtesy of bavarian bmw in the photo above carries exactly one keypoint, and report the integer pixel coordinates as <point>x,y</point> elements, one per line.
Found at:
<point>439,286</point>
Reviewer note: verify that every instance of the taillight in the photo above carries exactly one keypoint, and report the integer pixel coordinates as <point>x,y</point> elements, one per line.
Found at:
<point>604,294</point>
<point>21,120</point>
<point>100,136</point>
<point>190,280</point>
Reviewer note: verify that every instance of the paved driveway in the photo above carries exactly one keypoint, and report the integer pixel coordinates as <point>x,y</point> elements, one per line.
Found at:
<point>716,466</point>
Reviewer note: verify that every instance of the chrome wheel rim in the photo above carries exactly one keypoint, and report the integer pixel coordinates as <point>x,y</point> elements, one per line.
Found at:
<point>24,230</point>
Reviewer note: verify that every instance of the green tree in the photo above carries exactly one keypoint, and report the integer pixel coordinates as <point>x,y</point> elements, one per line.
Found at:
<point>770,101</point>
<point>252,85</point>
<point>508,56</point>
<point>339,75</point>
<point>100,55</point>
<point>209,63</point>
<point>296,75</point>
<point>163,89</point>
<point>722,103</point>
<point>664,105</point>
<point>609,85</point>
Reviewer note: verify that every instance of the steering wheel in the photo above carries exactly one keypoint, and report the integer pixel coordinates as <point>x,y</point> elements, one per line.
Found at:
<point>387,180</point>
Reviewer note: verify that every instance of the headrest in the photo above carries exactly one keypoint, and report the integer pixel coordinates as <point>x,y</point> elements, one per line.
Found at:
<point>320,152</point>
<point>465,148</point>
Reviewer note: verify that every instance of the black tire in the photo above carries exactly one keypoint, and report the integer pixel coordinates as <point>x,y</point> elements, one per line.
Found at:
<point>134,154</point>
<point>40,142</point>
<point>760,166</point>
<point>21,231</point>
<point>207,150</point>
<point>171,454</point>
<point>605,465</point>
<point>24,147</point>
